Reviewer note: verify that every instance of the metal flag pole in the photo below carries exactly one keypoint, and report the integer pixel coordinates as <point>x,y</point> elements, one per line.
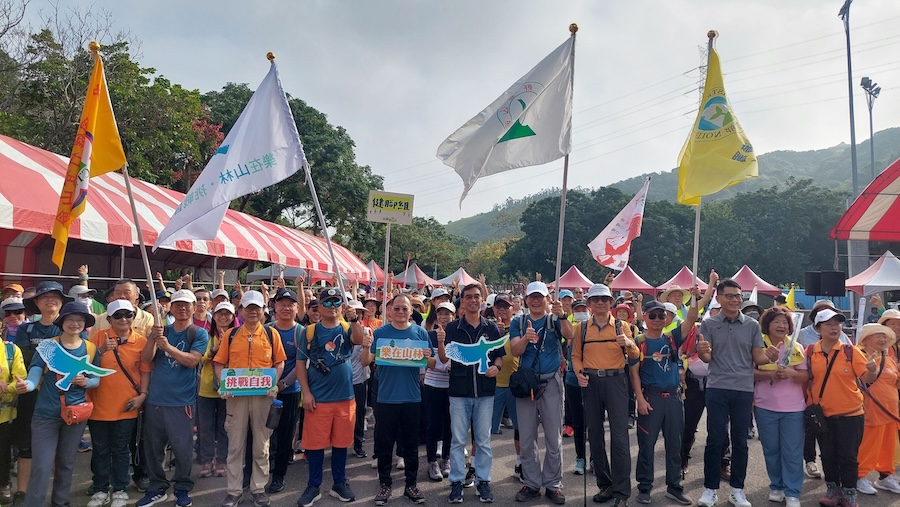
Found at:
<point>573,28</point>
<point>141,245</point>
<point>384,272</point>
<point>711,35</point>
<point>315,198</point>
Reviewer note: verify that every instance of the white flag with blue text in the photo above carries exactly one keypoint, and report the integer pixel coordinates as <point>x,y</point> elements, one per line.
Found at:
<point>262,149</point>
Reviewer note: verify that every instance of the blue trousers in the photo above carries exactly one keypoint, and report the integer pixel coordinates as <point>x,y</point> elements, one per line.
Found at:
<point>781,435</point>
<point>723,405</point>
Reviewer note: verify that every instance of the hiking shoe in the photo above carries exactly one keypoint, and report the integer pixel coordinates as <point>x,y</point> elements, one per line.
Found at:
<point>401,464</point>
<point>556,496</point>
<point>206,470</point>
<point>384,494</point>
<point>342,491</point>
<point>643,497</point>
<point>434,472</point>
<point>99,499</point>
<point>791,501</point>
<point>517,471</point>
<point>568,431</point>
<point>18,498</point>
<point>142,484</point>
<point>119,499</point>
<point>484,492</point>
<point>84,446</point>
<point>5,495</point>
<point>849,497</point>
<point>277,484</point>
<point>309,496</point>
<point>812,470</point>
<point>738,498</point>
<point>708,498</point>
<point>865,487</point>
<point>359,452</point>
<point>604,495</point>
<point>832,496</point>
<point>182,499</point>
<point>456,493</point>
<point>260,499</point>
<point>470,478</point>
<point>412,492</point>
<point>776,495</point>
<point>507,423</point>
<point>579,466</point>
<point>220,470</point>
<point>679,497</point>
<point>445,468</point>
<point>152,498</point>
<point>888,484</point>
<point>232,500</point>
<point>526,494</point>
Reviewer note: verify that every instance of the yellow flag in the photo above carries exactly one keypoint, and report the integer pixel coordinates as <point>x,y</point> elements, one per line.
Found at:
<point>717,154</point>
<point>790,299</point>
<point>97,150</point>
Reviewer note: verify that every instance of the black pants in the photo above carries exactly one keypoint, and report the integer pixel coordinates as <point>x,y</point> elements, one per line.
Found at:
<point>809,446</point>
<point>575,409</point>
<point>667,416</point>
<point>360,392</point>
<point>436,410</point>
<point>694,405</point>
<point>283,436</point>
<point>609,396</point>
<point>397,424</point>
<point>840,447</point>
<point>172,426</point>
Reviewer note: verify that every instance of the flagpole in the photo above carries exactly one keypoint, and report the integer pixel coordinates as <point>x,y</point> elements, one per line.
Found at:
<point>573,28</point>
<point>142,246</point>
<point>315,198</point>
<point>712,34</point>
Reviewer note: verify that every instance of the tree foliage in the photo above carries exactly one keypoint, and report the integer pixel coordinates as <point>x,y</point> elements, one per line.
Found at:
<point>428,244</point>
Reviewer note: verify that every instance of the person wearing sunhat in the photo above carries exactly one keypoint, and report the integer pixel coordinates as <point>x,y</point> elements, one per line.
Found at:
<point>13,317</point>
<point>11,356</point>
<point>54,443</point>
<point>678,297</point>
<point>891,319</point>
<point>83,294</point>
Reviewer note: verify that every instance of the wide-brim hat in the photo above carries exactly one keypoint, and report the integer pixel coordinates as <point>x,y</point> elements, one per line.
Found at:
<point>686,294</point>
<point>873,329</point>
<point>625,307</point>
<point>888,315</point>
<point>40,290</point>
<point>75,308</point>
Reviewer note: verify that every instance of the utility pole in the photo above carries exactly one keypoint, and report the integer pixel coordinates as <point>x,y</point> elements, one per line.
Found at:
<point>872,90</point>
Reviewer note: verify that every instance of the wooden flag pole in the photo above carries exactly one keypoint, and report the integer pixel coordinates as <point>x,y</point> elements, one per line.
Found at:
<point>573,29</point>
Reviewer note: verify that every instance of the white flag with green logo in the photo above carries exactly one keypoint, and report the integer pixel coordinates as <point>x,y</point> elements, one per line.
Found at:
<point>530,124</point>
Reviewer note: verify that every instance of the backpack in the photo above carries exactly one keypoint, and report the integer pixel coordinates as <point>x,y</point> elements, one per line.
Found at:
<point>641,341</point>
<point>584,329</point>
<point>234,330</point>
<point>311,334</point>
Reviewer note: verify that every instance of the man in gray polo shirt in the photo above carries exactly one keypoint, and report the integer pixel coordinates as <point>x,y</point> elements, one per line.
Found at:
<point>731,343</point>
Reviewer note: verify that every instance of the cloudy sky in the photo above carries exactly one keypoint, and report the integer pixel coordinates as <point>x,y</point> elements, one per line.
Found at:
<point>401,75</point>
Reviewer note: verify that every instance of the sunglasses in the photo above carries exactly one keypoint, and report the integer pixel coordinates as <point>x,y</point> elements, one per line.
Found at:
<point>14,312</point>
<point>656,315</point>
<point>123,315</point>
<point>605,299</point>
<point>331,304</point>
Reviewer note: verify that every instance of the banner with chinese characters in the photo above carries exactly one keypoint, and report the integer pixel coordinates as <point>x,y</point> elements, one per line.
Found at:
<point>247,381</point>
<point>390,208</point>
<point>392,352</point>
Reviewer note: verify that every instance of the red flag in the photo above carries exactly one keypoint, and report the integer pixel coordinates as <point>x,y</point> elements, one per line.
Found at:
<point>611,248</point>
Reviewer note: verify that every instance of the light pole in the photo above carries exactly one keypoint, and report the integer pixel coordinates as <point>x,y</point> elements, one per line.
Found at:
<point>844,14</point>
<point>872,90</point>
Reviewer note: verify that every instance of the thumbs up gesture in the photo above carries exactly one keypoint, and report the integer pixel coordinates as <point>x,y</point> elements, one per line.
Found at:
<point>530,335</point>
<point>703,346</point>
<point>772,353</point>
<point>870,364</point>
<point>21,386</point>
<point>441,334</point>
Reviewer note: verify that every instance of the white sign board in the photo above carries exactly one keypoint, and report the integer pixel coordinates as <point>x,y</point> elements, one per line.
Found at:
<point>390,208</point>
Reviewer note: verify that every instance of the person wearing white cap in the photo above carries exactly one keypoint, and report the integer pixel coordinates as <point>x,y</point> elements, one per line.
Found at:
<point>537,339</point>
<point>11,356</point>
<point>212,440</point>
<point>174,352</point>
<point>13,317</point>
<point>128,290</point>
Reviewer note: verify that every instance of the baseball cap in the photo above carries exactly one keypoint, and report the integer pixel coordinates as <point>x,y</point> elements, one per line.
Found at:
<point>282,293</point>
<point>598,289</point>
<point>235,294</point>
<point>119,304</point>
<point>438,293</point>
<point>579,303</point>
<point>504,299</point>
<point>538,287</point>
<point>329,294</point>
<point>828,314</point>
<point>225,305</point>
<point>356,305</point>
<point>183,295</point>
<point>654,305</point>
<point>12,303</point>
<point>489,302</point>
<point>670,307</point>
<point>16,287</point>
<point>218,292</point>
<point>447,305</point>
<point>566,293</point>
<point>252,297</point>
<point>164,294</point>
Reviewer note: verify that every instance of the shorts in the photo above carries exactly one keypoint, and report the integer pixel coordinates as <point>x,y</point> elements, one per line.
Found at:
<point>329,425</point>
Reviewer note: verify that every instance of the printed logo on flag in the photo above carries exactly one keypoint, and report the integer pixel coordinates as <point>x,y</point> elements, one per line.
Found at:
<point>514,107</point>
<point>716,114</point>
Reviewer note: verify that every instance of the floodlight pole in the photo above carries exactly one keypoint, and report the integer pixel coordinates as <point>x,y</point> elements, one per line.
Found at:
<point>872,90</point>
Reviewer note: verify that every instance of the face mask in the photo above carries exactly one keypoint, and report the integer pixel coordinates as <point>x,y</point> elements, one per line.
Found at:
<point>753,315</point>
<point>85,300</point>
<point>581,316</point>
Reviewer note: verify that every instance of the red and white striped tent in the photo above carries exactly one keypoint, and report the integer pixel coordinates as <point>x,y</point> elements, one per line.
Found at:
<point>684,279</point>
<point>414,277</point>
<point>629,280</point>
<point>573,277</point>
<point>29,194</point>
<point>875,214</point>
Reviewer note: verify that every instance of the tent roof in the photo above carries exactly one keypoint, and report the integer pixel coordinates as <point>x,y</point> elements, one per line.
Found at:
<point>883,275</point>
<point>415,277</point>
<point>629,280</point>
<point>875,214</point>
<point>573,277</point>
<point>464,278</point>
<point>747,279</point>
<point>684,279</point>
<point>375,272</point>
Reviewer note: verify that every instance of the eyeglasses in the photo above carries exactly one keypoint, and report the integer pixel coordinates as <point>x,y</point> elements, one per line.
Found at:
<point>732,297</point>
<point>656,315</point>
<point>605,299</point>
<point>331,304</point>
<point>14,312</point>
<point>123,315</point>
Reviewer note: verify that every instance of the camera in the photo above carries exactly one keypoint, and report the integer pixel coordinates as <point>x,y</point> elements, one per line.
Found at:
<point>321,367</point>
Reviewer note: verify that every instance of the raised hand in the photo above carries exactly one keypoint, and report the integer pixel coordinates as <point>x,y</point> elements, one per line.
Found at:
<point>772,353</point>
<point>703,346</point>
<point>530,335</point>
<point>83,270</point>
<point>21,386</point>
<point>871,365</point>
<point>557,309</point>
<point>442,335</point>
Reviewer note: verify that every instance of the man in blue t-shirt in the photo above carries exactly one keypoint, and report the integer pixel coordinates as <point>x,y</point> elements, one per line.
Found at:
<point>174,352</point>
<point>399,400</point>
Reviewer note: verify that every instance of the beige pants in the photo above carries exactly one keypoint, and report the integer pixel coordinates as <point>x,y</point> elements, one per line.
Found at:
<point>243,413</point>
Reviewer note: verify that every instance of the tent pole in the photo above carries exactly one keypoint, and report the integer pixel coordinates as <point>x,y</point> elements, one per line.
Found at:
<point>122,262</point>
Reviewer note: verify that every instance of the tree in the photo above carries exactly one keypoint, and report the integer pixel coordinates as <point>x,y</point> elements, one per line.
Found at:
<point>486,258</point>
<point>427,243</point>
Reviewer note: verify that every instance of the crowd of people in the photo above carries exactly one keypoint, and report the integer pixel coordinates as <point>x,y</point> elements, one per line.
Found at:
<point>552,365</point>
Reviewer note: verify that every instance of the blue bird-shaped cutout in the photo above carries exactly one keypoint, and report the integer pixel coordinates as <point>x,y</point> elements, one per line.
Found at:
<point>474,353</point>
<point>59,361</point>
<point>222,150</point>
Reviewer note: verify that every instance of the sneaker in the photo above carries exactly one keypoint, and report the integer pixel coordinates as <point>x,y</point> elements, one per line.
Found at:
<point>456,493</point>
<point>643,497</point>
<point>556,496</point>
<point>579,466</point>
<point>434,471</point>
<point>568,431</point>
<point>469,481</point>
<point>183,499</point>
<point>526,494</point>
<point>232,500</point>
<point>751,434</point>
<point>401,464</point>
<point>632,420</point>
<point>708,498</point>
<point>791,501</point>
<point>679,497</point>
<point>865,487</point>
<point>99,499</point>
<point>260,499</point>
<point>623,502</point>
<point>603,496</point>
<point>18,498</point>
<point>517,472</point>
<point>887,484</point>
<point>412,492</point>
<point>850,497</point>
<point>152,498</point>
<point>342,491</point>
<point>833,496</point>
<point>484,492</point>
<point>206,470</point>
<point>738,498</point>
<point>84,446</point>
<point>776,495</point>
<point>507,423</point>
<point>445,468</point>
<point>277,484</point>
<point>5,495</point>
<point>384,494</point>
<point>220,470</point>
<point>142,484</point>
<point>812,470</point>
<point>119,499</point>
<point>309,496</point>
<point>359,452</point>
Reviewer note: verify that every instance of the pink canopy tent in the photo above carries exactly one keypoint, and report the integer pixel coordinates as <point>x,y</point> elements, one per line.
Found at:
<point>684,279</point>
<point>747,279</point>
<point>415,277</point>
<point>376,273</point>
<point>629,280</point>
<point>881,276</point>
<point>461,274</point>
<point>573,277</point>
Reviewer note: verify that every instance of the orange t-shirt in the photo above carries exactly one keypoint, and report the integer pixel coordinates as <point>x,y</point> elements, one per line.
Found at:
<point>250,350</point>
<point>842,396</point>
<point>115,390</point>
<point>885,391</point>
<point>601,352</point>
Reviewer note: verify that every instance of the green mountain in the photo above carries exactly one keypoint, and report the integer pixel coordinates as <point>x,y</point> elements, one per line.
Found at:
<point>829,168</point>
